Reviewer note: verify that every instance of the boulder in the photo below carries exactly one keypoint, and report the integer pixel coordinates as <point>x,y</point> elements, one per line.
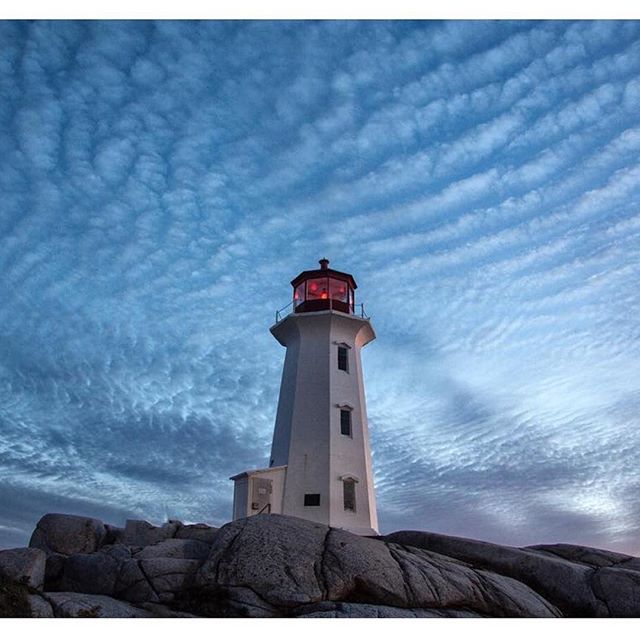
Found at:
<point>358,610</point>
<point>82,605</point>
<point>142,533</point>
<point>288,562</point>
<point>169,576</point>
<point>225,602</point>
<point>118,551</point>
<point>24,565</point>
<point>589,556</point>
<point>14,599</point>
<point>201,532</point>
<point>92,573</point>
<point>132,584</point>
<point>40,608</point>
<point>279,557</point>
<point>59,533</point>
<point>619,589</point>
<point>566,585</point>
<point>176,548</point>
<point>53,571</point>
<point>360,569</point>
<point>163,611</point>
<point>114,535</point>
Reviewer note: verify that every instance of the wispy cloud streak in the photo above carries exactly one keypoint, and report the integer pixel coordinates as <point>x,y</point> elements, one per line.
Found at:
<point>162,183</point>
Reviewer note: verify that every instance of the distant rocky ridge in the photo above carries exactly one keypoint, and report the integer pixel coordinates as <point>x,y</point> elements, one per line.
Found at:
<point>279,566</point>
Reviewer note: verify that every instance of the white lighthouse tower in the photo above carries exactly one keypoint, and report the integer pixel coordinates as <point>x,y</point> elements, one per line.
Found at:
<point>320,464</point>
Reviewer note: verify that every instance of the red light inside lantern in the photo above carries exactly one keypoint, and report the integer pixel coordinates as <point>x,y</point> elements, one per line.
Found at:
<point>313,286</point>
<point>323,295</point>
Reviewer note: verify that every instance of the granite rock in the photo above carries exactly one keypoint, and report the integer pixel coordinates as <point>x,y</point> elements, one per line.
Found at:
<point>82,605</point>
<point>289,562</point>
<point>24,565</point>
<point>142,533</point>
<point>357,610</point>
<point>91,573</point>
<point>186,548</point>
<point>201,532</point>
<point>65,534</point>
<point>169,576</point>
<point>565,584</point>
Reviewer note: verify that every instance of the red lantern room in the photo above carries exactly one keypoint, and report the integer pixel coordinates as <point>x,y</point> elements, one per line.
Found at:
<point>322,289</point>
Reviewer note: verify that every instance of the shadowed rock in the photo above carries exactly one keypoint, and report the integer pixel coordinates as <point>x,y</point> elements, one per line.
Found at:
<point>94,573</point>
<point>185,549</point>
<point>24,565</point>
<point>141,533</point>
<point>133,585</point>
<point>169,576</point>
<point>357,610</point>
<point>82,605</point>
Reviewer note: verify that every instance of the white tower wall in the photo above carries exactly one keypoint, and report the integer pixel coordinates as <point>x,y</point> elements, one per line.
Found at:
<point>307,436</point>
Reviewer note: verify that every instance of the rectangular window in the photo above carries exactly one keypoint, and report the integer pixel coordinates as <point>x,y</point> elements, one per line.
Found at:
<point>343,359</point>
<point>311,499</point>
<point>345,422</point>
<point>349,492</point>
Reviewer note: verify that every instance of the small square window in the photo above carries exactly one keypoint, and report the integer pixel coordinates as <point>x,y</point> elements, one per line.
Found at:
<point>345,422</point>
<point>343,359</point>
<point>311,499</point>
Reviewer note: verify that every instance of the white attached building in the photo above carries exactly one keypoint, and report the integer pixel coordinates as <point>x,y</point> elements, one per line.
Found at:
<point>320,464</point>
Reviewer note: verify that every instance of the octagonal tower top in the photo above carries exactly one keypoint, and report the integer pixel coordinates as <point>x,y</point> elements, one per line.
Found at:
<point>323,288</point>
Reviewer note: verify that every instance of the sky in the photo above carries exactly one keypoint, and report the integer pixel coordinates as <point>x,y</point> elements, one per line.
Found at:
<point>162,183</point>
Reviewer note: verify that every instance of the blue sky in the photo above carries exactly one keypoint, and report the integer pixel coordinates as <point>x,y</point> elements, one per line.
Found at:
<point>163,182</point>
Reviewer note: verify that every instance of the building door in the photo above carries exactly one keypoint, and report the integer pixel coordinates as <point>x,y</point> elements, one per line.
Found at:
<point>261,495</point>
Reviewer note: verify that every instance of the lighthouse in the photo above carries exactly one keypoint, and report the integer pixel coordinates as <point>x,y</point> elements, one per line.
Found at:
<point>320,463</point>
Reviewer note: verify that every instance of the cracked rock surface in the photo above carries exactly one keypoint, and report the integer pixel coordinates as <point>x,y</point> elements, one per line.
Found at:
<point>279,566</point>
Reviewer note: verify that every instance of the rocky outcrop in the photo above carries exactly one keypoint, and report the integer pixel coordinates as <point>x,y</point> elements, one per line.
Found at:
<point>290,562</point>
<point>278,566</point>
<point>26,566</point>
<point>578,580</point>
<point>59,533</point>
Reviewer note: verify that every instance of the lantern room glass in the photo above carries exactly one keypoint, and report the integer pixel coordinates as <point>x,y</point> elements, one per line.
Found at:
<point>338,290</point>
<point>298,295</point>
<point>317,289</point>
<point>323,292</point>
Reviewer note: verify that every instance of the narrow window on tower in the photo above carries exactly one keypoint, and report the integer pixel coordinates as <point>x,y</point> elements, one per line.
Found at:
<point>343,359</point>
<point>349,492</point>
<point>345,422</point>
<point>311,499</point>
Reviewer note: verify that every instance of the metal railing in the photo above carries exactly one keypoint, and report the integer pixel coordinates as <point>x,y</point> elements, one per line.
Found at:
<point>357,311</point>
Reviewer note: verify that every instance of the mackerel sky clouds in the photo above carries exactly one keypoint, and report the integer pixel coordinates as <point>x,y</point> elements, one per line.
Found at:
<point>162,182</point>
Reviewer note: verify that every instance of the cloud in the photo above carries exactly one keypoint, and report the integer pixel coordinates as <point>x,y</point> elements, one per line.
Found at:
<point>163,182</point>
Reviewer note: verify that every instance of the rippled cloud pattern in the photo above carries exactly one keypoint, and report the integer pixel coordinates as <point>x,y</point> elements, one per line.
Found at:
<point>163,182</point>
